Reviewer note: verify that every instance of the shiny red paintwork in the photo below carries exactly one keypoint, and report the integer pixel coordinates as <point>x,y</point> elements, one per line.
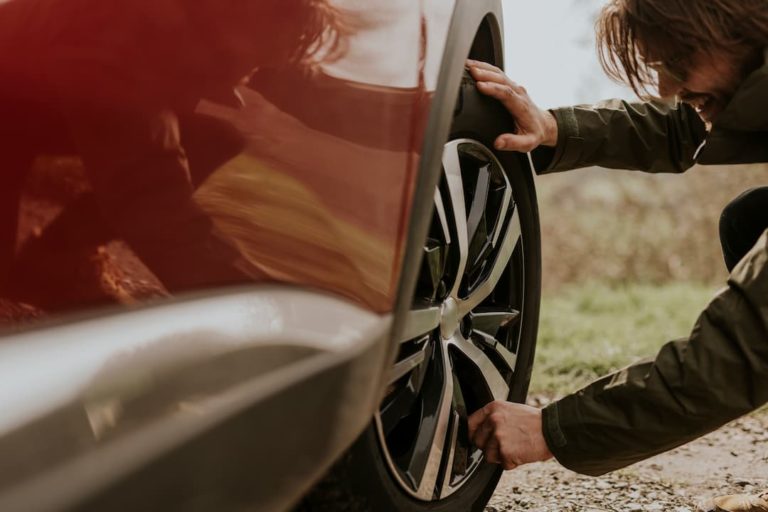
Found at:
<point>154,147</point>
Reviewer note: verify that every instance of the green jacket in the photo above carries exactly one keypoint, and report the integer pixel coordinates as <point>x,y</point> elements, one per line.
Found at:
<point>720,372</point>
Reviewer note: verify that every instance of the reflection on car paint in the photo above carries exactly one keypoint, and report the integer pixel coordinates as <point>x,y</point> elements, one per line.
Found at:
<point>254,142</point>
<point>150,148</point>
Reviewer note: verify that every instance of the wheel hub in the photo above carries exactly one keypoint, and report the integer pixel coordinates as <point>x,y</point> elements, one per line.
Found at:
<point>449,318</point>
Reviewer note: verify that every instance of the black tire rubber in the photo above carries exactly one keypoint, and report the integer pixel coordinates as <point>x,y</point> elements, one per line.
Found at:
<point>361,480</point>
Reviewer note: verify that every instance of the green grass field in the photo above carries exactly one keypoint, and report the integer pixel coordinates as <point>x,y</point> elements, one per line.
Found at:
<point>620,229</point>
<point>588,330</point>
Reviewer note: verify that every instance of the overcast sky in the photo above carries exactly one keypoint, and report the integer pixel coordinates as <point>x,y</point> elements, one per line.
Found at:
<point>550,49</point>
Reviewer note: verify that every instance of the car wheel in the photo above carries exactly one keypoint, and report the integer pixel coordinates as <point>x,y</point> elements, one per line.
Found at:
<point>469,338</point>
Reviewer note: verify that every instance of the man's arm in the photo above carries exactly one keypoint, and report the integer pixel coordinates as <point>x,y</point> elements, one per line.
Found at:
<point>692,387</point>
<point>651,136</point>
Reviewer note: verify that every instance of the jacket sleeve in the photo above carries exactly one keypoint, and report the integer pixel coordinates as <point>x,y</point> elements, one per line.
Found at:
<point>651,137</point>
<point>693,386</point>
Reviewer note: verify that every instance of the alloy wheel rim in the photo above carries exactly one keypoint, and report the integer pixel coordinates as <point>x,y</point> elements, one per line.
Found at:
<point>458,350</point>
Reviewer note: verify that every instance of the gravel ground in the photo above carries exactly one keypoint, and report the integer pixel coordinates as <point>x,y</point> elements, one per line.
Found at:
<point>731,460</point>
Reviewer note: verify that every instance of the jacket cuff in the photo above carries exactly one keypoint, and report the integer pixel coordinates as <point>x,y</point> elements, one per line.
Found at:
<point>566,154</point>
<point>557,418</point>
<point>553,434</point>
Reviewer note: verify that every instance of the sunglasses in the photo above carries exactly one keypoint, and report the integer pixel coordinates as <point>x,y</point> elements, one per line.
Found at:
<point>673,71</point>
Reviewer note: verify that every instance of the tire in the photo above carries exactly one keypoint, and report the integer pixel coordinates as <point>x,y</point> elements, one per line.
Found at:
<point>367,478</point>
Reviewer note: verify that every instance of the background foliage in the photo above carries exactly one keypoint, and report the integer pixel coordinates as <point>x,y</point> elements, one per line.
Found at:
<point>630,259</point>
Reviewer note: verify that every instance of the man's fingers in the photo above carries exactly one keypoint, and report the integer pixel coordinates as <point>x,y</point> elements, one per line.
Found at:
<point>506,94</point>
<point>492,452</point>
<point>516,142</point>
<point>482,65</point>
<point>485,75</point>
<point>474,421</point>
<point>508,465</point>
<point>483,434</point>
<point>501,91</point>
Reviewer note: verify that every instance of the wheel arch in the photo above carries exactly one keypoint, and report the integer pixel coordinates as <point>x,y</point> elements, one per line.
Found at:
<point>488,43</point>
<point>475,31</point>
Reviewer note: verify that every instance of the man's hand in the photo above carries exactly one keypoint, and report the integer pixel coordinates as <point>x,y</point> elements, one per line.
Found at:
<point>509,434</point>
<point>535,127</point>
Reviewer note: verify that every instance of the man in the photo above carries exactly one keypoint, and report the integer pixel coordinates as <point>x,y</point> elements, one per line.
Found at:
<point>707,59</point>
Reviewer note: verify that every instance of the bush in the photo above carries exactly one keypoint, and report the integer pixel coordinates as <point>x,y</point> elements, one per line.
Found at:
<point>620,226</point>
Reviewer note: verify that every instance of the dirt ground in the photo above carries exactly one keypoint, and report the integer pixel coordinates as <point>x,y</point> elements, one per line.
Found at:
<point>731,460</point>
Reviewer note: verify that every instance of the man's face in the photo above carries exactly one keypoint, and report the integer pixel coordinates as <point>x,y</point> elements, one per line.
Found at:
<point>708,83</point>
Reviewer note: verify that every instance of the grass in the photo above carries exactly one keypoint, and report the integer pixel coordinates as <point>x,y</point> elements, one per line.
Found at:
<point>588,330</point>
<point>619,229</point>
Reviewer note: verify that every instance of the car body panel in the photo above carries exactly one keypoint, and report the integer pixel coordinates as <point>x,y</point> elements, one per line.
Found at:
<point>162,382</point>
<point>115,394</point>
<point>219,148</point>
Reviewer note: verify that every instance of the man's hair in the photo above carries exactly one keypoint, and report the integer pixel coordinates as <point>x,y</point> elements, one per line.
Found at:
<point>633,33</point>
<point>325,30</point>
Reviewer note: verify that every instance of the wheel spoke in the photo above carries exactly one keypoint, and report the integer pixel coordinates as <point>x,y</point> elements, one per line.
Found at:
<point>396,408</point>
<point>479,201</point>
<point>452,169</point>
<point>441,215</point>
<point>494,381</point>
<point>509,357</point>
<point>505,202</point>
<point>508,244</point>
<point>419,322</point>
<point>445,489</point>
<point>433,269</point>
<point>491,321</point>
<point>402,368</point>
<point>402,402</point>
<point>430,441</point>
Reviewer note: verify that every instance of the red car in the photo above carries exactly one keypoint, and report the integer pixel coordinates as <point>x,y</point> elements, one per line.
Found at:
<point>256,254</point>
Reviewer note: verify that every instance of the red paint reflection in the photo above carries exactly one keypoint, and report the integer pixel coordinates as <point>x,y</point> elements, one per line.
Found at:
<point>158,146</point>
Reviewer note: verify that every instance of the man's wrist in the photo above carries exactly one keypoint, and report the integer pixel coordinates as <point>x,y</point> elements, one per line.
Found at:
<point>550,129</point>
